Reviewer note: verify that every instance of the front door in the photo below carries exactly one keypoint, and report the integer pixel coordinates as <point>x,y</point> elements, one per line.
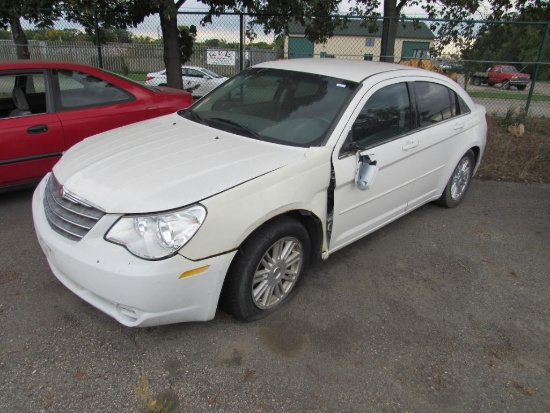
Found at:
<point>382,127</point>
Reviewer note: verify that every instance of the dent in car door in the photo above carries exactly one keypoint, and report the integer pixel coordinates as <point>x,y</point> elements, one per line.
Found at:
<point>381,126</point>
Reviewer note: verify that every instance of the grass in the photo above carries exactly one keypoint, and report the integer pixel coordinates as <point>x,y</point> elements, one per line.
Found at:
<point>138,77</point>
<point>504,95</point>
<point>525,159</point>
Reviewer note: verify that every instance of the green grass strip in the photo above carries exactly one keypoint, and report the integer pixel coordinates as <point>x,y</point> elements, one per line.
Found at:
<point>511,96</point>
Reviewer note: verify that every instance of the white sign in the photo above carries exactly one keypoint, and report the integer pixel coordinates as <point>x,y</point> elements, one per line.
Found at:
<point>221,57</point>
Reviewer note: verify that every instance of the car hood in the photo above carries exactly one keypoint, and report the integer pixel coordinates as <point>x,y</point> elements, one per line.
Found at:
<point>164,163</point>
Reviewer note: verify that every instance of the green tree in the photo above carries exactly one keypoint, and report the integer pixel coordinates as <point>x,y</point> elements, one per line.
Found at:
<point>42,13</point>
<point>516,41</point>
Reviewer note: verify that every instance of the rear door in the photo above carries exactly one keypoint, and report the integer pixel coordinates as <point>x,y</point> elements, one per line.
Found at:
<point>443,124</point>
<point>87,105</point>
<point>31,141</point>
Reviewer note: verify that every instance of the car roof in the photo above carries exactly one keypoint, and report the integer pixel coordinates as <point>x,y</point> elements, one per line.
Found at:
<point>41,64</point>
<point>348,69</point>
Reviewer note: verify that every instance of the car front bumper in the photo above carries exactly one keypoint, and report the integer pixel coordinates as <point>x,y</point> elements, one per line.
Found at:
<point>520,82</point>
<point>136,292</point>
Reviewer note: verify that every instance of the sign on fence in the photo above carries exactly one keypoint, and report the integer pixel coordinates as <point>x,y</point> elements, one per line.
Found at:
<point>221,57</point>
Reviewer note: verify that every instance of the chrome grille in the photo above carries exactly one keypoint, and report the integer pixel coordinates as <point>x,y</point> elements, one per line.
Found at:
<point>66,214</point>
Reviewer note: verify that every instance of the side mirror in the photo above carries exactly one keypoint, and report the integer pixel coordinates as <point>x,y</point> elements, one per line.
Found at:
<point>365,171</point>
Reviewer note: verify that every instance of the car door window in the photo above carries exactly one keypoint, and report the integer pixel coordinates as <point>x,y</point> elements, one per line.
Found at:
<point>194,73</point>
<point>436,103</point>
<point>22,95</point>
<point>386,115</point>
<point>78,90</point>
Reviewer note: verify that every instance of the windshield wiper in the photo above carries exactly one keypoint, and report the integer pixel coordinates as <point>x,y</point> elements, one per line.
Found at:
<point>193,114</point>
<point>249,131</point>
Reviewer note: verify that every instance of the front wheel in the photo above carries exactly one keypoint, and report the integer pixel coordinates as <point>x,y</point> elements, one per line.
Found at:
<point>477,81</point>
<point>505,84</point>
<point>521,87</point>
<point>267,269</point>
<point>459,182</point>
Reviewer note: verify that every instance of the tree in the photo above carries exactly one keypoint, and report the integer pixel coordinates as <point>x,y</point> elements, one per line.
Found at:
<point>11,12</point>
<point>459,27</point>
<point>511,42</point>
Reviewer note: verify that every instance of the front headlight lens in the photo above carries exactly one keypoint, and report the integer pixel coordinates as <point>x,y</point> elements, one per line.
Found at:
<point>157,236</point>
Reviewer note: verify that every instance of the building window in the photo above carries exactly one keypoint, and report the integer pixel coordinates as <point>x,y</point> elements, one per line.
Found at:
<point>367,57</point>
<point>369,41</point>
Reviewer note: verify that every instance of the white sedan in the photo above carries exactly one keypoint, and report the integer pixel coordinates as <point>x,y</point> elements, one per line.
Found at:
<point>196,80</point>
<point>231,199</point>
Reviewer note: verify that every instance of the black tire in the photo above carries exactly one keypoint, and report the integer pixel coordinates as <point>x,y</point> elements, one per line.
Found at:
<point>275,286</point>
<point>459,182</point>
<point>505,84</point>
<point>477,81</point>
<point>521,87</point>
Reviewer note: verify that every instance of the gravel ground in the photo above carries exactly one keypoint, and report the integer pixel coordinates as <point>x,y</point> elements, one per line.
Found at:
<point>441,311</point>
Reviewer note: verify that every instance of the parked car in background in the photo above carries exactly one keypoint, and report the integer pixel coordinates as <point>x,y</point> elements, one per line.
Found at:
<point>46,107</point>
<point>197,80</point>
<point>503,75</point>
<point>284,164</point>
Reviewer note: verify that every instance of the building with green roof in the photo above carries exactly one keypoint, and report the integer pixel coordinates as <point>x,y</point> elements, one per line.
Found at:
<point>359,41</point>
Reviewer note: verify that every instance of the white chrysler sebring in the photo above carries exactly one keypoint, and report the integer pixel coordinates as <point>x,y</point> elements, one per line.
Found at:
<point>230,200</point>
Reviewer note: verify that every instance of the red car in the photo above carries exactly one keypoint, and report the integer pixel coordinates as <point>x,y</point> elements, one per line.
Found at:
<point>46,107</point>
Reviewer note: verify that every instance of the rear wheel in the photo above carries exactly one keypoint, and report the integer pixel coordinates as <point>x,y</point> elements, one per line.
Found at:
<point>459,182</point>
<point>267,269</point>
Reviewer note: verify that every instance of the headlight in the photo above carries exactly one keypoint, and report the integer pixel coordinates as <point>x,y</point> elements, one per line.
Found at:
<point>157,236</point>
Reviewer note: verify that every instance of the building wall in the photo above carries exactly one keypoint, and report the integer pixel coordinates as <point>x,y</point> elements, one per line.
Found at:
<point>355,47</point>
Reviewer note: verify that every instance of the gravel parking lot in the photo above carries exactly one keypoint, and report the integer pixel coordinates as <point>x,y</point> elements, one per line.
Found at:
<point>441,311</point>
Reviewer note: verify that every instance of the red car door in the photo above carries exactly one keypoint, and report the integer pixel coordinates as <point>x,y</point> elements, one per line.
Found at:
<point>31,145</point>
<point>31,138</point>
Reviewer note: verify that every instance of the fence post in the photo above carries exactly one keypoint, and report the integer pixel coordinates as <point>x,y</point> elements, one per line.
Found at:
<point>98,40</point>
<point>537,67</point>
<point>241,42</point>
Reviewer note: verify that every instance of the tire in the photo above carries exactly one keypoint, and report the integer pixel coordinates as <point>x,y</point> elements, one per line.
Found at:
<point>459,182</point>
<point>477,81</point>
<point>267,269</point>
<point>521,87</point>
<point>505,84</point>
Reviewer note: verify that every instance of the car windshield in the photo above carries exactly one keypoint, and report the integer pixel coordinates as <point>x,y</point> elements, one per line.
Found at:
<point>509,69</point>
<point>211,73</point>
<point>281,106</point>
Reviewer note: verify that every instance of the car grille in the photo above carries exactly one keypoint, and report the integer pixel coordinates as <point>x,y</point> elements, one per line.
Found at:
<point>66,214</point>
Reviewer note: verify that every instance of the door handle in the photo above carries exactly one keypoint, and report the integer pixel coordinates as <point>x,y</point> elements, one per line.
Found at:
<point>33,130</point>
<point>459,126</point>
<point>409,145</point>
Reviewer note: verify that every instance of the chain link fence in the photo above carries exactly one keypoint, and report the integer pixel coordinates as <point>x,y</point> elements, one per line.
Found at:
<point>232,42</point>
